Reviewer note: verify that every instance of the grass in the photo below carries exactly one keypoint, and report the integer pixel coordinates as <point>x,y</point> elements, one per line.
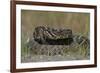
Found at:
<point>78,22</point>
<point>78,51</point>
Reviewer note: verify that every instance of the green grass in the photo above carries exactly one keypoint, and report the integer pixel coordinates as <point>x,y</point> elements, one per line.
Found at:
<point>80,51</point>
<point>78,22</point>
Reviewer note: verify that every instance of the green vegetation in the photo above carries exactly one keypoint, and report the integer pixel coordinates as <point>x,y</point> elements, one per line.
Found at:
<point>78,22</point>
<point>78,52</point>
